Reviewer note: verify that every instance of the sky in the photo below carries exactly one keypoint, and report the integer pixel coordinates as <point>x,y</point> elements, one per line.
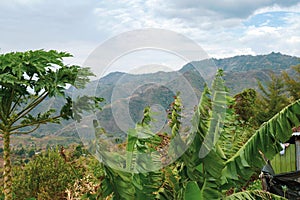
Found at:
<point>223,28</point>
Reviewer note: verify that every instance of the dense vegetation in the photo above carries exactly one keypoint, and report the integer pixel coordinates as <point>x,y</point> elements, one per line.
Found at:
<point>223,167</point>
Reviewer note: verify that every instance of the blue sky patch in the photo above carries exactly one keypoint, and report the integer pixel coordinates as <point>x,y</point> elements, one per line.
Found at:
<point>271,19</point>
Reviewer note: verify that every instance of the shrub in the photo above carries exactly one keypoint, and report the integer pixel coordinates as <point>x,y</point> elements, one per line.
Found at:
<point>45,177</point>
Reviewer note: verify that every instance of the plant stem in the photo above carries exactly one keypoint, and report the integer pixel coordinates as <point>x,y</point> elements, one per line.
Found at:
<point>7,167</point>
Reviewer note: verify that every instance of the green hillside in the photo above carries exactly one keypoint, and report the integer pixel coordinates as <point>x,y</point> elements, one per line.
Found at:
<point>239,72</point>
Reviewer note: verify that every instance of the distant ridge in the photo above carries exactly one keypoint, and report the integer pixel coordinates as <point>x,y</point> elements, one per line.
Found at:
<point>240,72</point>
<point>273,61</point>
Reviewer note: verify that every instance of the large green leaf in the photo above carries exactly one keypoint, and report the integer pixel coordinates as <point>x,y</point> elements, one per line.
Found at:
<point>266,139</point>
<point>192,191</point>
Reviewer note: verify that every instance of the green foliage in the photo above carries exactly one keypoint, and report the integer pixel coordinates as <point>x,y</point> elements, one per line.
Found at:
<point>244,104</point>
<point>45,177</point>
<point>266,139</point>
<point>89,178</point>
<point>212,167</point>
<point>78,151</point>
<point>123,184</point>
<point>21,152</point>
<point>255,185</point>
<point>192,191</point>
<point>175,116</point>
<point>31,153</point>
<point>293,84</point>
<point>215,165</point>
<point>253,195</point>
<point>204,158</point>
<point>26,80</point>
<point>230,164</point>
<point>127,185</point>
<point>235,131</point>
<point>271,100</point>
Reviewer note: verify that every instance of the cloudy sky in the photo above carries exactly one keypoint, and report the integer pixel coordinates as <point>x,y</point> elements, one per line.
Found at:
<point>222,28</point>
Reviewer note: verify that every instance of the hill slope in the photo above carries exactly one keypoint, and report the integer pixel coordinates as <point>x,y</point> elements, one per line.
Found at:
<point>240,72</point>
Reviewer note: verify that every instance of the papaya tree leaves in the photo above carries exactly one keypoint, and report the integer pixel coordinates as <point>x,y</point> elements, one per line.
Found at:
<point>26,80</point>
<point>40,118</point>
<point>81,104</point>
<point>9,79</point>
<point>82,77</point>
<point>33,75</point>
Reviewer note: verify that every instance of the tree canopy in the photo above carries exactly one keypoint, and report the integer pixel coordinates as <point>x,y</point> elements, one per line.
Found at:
<point>26,80</point>
<point>271,99</point>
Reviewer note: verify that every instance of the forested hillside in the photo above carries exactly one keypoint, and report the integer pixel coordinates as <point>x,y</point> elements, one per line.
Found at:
<point>240,72</point>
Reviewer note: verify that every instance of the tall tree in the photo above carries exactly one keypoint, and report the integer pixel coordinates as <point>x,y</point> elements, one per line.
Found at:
<point>293,84</point>
<point>26,80</point>
<point>271,99</point>
<point>244,104</point>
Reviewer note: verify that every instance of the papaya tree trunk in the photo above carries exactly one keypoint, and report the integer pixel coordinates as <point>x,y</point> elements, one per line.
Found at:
<point>7,167</point>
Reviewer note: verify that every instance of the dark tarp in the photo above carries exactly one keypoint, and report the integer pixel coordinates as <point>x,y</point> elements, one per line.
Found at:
<point>285,184</point>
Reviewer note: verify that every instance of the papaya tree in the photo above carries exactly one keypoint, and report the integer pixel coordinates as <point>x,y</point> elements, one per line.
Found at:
<point>26,80</point>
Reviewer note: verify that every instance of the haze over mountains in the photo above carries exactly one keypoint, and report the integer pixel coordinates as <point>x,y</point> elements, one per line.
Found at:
<point>139,90</point>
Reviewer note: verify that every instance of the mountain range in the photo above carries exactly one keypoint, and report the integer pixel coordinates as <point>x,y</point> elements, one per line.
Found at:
<point>130,93</point>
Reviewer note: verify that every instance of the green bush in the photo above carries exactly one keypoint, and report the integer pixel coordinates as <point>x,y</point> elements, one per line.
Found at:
<point>45,177</point>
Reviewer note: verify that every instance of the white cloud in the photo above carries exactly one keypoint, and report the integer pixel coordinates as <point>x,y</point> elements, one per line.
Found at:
<point>276,7</point>
<point>218,26</point>
<point>262,39</point>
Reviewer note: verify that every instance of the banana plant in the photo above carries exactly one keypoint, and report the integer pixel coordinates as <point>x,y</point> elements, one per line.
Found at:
<point>267,140</point>
<point>226,167</point>
<point>135,178</point>
<point>204,160</point>
<point>220,160</point>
